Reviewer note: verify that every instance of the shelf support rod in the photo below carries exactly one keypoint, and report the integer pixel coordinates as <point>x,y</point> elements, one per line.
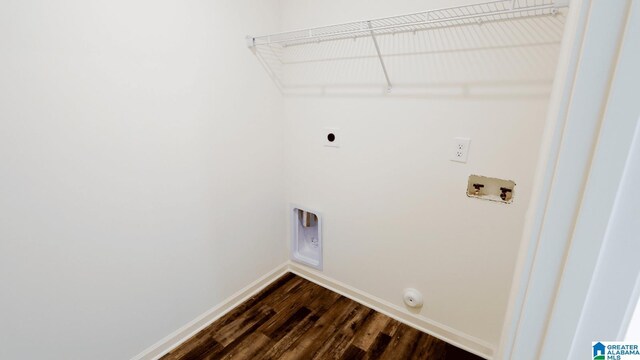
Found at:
<point>384,68</point>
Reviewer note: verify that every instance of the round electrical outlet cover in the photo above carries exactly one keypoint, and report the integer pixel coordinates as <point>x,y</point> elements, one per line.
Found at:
<point>412,298</point>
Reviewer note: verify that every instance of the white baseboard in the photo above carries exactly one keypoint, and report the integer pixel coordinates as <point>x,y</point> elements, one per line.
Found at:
<point>440,331</point>
<point>181,335</point>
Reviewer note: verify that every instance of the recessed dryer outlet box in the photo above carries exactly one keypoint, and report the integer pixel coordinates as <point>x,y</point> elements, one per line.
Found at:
<point>331,137</point>
<point>306,237</point>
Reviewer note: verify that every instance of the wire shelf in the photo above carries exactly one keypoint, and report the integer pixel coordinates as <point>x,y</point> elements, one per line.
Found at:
<point>290,49</point>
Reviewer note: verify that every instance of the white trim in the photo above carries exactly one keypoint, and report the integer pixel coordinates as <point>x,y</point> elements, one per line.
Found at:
<point>582,82</point>
<point>631,316</point>
<point>194,326</point>
<point>452,336</point>
<point>433,328</point>
<point>545,170</point>
<point>602,311</point>
<point>596,257</point>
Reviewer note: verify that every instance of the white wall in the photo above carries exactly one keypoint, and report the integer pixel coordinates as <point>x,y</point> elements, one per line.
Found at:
<point>141,177</point>
<point>142,182</point>
<point>394,206</point>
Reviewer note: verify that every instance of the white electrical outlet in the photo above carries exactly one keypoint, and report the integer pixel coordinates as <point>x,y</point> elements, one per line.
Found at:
<point>460,151</point>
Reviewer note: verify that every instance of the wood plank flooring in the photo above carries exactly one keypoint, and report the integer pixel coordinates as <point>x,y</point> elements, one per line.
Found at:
<point>296,319</point>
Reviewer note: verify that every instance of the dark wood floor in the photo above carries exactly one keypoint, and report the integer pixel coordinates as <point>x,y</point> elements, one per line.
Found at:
<point>296,319</point>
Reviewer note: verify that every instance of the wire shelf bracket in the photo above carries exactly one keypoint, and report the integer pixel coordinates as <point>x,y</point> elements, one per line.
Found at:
<point>384,68</point>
